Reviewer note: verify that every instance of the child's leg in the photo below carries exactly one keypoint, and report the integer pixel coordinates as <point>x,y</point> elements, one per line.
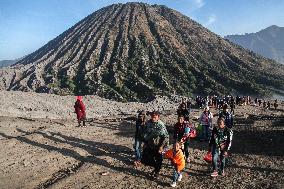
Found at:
<point>222,159</point>
<point>215,155</point>
<point>175,175</point>
<point>137,150</point>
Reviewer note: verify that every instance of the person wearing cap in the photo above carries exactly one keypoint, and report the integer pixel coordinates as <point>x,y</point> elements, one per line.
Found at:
<point>80,111</point>
<point>206,122</point>
<point>139,133</point>
<point>156,138</point>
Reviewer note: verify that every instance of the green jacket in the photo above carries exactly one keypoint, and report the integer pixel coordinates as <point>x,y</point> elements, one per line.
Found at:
<point>156,134</point>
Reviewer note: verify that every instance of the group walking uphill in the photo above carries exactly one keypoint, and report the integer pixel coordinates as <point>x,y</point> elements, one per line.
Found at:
<point>152,140</point>
<point>151,144</point>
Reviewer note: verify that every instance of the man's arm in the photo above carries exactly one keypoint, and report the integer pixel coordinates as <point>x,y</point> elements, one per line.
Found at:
<point>229,140</point>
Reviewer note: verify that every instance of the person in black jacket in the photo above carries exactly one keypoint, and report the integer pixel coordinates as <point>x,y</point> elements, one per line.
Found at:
<point>219,146</point>
<point>139,134</point>
<point>180,131</point>
<point>229,120</point>
<point>182,111</point>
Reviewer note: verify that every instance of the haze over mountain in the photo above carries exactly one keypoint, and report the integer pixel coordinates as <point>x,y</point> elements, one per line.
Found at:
<point>268,42</point>
<point>6,63</point>
<point>130,52</point>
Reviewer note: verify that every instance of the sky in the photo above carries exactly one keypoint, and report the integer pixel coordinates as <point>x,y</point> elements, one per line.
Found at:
<point>27,25</point>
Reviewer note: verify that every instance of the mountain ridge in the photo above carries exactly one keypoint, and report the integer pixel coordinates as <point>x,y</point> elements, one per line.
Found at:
<point>267,42</point>
<point>133,51</point>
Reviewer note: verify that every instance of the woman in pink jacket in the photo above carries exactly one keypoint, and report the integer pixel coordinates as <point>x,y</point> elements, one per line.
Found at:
<point>206,122</point>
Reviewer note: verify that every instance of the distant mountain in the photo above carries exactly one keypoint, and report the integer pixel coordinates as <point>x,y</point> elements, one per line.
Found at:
<point>133,51</point>
<point>6,63</point>
<point>268,42</point>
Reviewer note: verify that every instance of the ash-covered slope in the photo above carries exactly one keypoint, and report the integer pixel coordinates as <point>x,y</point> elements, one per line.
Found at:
<point>133,51</point>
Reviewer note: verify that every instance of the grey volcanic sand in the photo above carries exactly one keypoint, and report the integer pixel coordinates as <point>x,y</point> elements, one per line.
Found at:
<point>42,148</point>
<point>39,105</point>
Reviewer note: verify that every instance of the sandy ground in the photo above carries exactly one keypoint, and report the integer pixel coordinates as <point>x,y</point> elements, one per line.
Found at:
<point>54,153</point>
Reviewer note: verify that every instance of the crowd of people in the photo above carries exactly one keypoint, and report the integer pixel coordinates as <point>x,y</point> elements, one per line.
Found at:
<point>151,144</point>
<point>152,140</point>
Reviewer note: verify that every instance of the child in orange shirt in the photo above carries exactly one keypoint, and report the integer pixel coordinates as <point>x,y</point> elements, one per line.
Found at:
<point>177,158</point>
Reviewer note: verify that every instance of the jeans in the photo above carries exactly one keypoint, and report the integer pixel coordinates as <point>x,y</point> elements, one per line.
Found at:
<point>175,175</point>
<point>186,149</point>
<point>205,132</point>
<point>138,149</point>
<point>218,154</point>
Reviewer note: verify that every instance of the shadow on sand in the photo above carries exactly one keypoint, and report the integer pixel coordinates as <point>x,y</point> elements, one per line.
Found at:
<point>96,149</point>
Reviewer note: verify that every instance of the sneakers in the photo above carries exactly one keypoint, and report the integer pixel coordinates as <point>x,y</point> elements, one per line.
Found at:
<point>179,177</point>
<point>137,163</point>
<point>214,174</point>
<point>188,160</point>
<point>174,184</point>
<point>222,173</point>
<point>154,175</point>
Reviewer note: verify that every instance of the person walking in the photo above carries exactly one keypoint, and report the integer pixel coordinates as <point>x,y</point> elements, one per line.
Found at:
<point>139,133</point>
<point>176,157</point>
<point>206,122</point>
<point>156,139</point>
<point>179,131</point>
<point>80,110</point>
<point>219,146</point>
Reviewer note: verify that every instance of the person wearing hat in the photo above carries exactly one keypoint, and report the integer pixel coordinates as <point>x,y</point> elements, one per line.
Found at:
<point>156,137</point>
<point>139,133</point>
<point>80,111</point>
<point>206,122</point>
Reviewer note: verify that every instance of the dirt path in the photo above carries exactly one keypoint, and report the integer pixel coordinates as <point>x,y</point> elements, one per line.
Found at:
<point>43,153</point>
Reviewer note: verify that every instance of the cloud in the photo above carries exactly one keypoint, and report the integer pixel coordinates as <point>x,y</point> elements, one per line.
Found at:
<point>199,3</point>
<point>211,19</point>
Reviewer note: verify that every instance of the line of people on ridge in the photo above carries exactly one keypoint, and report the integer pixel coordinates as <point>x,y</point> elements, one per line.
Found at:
<point>152,141</point>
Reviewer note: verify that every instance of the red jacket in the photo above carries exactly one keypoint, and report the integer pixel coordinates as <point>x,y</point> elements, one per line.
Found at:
<point>179,130</point>
<point>80,109</point>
